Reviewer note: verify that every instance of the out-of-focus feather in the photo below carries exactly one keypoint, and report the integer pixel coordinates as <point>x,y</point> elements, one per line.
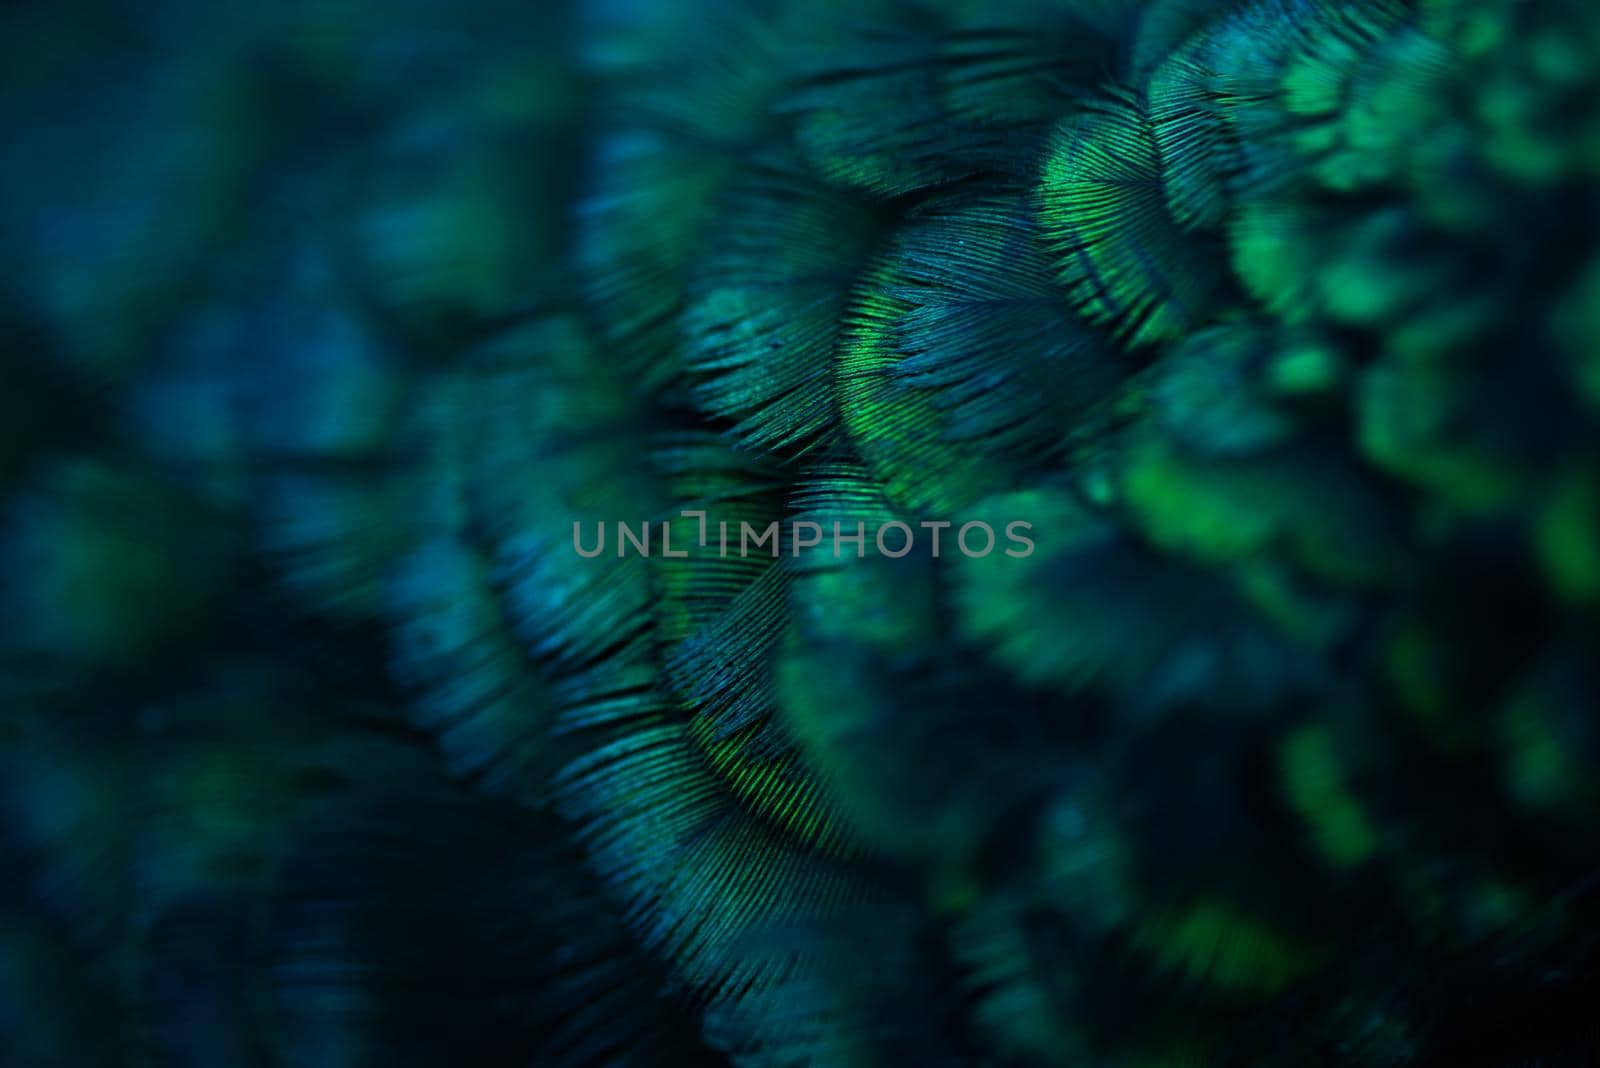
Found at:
<point>903,97</point>
<point>1089,609</point>
<point>106,565</point>
<point>382,950</point>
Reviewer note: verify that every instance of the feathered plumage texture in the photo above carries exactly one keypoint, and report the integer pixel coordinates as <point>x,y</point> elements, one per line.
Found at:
<point>333,332</point>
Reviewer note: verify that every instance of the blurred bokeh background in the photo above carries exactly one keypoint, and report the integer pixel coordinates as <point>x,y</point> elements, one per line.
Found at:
<point>322,323</point>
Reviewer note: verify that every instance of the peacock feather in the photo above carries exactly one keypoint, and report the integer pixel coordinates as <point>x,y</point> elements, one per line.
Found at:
<point>798,533</point>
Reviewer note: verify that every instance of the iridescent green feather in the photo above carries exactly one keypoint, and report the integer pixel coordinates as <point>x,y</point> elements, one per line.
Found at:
<point>1103,215</point>
<point>962,365</point>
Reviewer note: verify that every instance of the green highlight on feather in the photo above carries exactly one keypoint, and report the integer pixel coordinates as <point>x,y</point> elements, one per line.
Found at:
<point>1223,390</point>
<point>732,688</point>
<point>1534,85</point>
<point>1305,260</point>
<point>104,564</point>
<point>1302,502</point>
<point>857,691</point>
<point>1317,790</point>
<point>763,931</point>
<point>1386,113</point>
<point>962,366</point>
<point>1103,213</point>
<point>1290,88</point>
<point>1410,416</point>
<point>867,111</point>
<point>1189,126</point>
<point>932,759</point>
<point>1567,535</point>
<point>1540,771</point>
<point>890,710</point>
<point>719,621</point>
<point>1423,675</point>
<point>1092,610</point>
<point>1548,749</point>
<point>1212,943</point>
<point>1307,367</point>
